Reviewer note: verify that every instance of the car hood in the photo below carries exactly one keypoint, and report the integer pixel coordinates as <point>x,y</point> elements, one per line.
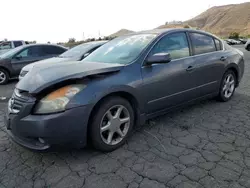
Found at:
<point>45,75</point>
<point>45,62</point>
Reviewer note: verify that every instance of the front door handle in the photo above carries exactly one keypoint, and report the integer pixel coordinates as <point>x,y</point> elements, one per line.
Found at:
<point>223,58</point>
<point>190,68</point>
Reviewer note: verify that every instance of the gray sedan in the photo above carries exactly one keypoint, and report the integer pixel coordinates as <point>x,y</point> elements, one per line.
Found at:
<point>120,85</point>
<point>14,60</point>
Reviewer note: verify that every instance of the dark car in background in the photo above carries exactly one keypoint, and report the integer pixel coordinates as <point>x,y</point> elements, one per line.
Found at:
<point>120,85</point>
<point>14,60</point>
<point>76,53</point>
<point>247,45</point>
<point>243,40</point>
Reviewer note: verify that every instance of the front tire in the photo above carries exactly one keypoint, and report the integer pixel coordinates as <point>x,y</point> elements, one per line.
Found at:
<point>227,87</point>
<point>4,77</point>
<point>111,124</point>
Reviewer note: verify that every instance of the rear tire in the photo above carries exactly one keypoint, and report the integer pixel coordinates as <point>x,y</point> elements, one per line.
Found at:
<point>227,87</point>
<point>248,48</point>
<point>111,124</point>
<point>4,77</point>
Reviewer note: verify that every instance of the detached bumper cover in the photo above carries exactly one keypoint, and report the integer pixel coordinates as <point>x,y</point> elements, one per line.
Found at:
<point>55,129</point>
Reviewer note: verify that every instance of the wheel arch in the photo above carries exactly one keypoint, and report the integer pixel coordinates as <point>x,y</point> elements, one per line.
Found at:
<point>124,94</point>
<point>6,69</point>
<point>235,69</point>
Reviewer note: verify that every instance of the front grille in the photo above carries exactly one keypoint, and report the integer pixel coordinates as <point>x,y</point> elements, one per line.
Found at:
<point>18,104</point>
<point>23,73</point>
<point>17,101</point>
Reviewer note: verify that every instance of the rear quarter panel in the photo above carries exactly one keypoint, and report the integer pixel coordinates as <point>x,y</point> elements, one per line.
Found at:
<point>236,61</point>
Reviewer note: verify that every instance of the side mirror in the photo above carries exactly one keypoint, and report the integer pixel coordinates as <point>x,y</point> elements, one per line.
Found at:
<point>158,58</point>
<point>18,57</point>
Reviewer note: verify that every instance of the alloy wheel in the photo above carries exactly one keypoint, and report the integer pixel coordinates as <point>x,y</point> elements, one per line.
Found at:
<point>115,125</point>
<point>2,77</point>
<point>229,86</point>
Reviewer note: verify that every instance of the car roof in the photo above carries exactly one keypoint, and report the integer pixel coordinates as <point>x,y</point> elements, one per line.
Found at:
<point>93,44</point>
<point>28,45</point>
<point>168,30</point>
<point>96,42</point>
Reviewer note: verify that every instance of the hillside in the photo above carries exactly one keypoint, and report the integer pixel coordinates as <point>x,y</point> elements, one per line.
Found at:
<point>222,20</point>
<point>120,33</point>
<point>171,26</point>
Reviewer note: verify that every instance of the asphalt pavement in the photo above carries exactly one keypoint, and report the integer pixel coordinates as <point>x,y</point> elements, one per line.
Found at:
<point>7,90</point>
<point>203,145</point>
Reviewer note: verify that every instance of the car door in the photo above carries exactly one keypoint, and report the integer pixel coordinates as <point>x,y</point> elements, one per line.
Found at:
<point>209,62</point>
<point>169,84</point>
<point>26,56</point>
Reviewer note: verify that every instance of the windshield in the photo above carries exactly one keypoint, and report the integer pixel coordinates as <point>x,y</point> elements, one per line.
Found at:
<point>79,50</point>
<point>122,50</point>
<point>10,53</point>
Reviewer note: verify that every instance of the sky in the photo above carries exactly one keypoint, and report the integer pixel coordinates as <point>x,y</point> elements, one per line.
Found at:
<point>59,20</point>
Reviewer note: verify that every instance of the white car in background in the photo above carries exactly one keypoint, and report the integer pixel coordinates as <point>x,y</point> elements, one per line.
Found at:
<point>233,41</point>
<point>5,46</point>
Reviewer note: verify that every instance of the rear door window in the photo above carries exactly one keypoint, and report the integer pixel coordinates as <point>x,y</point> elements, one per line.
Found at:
<point>218,44</point>
<point>202,43</point>
<point>53,50</point>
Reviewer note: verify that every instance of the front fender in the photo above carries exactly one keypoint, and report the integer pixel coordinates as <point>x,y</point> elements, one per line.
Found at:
<point>90,96</point>
<point>116,89</point>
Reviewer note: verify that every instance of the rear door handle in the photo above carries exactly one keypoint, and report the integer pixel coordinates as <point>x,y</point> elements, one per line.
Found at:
<point>190,68</point>
<point>223,58</point>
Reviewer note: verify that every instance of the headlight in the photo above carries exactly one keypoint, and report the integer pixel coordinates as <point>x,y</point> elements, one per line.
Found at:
<point>57,100</point>
<point>23,73</point>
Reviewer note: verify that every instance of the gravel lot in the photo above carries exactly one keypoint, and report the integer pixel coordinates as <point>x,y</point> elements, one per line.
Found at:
<point>203,145</point>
